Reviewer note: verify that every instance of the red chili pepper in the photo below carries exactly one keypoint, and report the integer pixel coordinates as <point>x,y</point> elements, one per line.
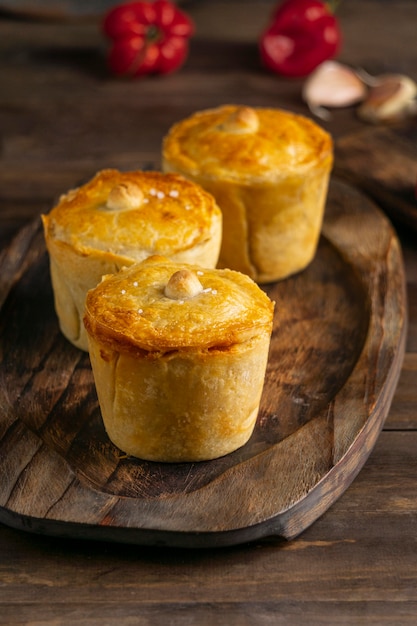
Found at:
<point>301,35</point>
<point>147,37</point>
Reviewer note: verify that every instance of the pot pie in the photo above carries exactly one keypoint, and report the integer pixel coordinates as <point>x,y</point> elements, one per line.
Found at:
<point>179,355</point>
<point>118,219</point>
<point>269,171</point>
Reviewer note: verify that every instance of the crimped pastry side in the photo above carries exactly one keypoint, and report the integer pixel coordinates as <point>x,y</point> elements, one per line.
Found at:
<point>271,231</point>
<point>72,275</point>
<point>189,405</point>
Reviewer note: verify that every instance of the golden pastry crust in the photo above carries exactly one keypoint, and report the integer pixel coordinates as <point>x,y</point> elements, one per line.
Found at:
<point>268,170</point>
<point>131,215</point>
<point>245,144</point>
<point>131,311</point>
<point>119,218</point>
<point>179,357</point>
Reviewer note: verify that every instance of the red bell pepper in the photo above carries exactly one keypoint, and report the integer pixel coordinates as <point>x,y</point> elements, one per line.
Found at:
<point>147,37</point>
<point>301,35</point>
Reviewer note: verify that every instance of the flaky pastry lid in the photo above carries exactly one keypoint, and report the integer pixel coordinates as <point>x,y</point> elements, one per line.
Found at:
<point>133,214</point>
<point>158,305</point>
<point>244,143</point>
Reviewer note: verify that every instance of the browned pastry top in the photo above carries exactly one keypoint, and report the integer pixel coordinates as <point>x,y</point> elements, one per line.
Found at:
<point>133,214</point>
<point>244,143</point>
<point>159,305</point>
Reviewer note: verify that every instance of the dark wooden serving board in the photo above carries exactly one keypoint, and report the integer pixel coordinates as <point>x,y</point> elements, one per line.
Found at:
<point>382,161</point>
<point>336,354</point>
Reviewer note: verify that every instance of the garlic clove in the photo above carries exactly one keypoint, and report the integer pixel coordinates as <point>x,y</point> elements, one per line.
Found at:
<point>391,97</point>
<point>332,85</point>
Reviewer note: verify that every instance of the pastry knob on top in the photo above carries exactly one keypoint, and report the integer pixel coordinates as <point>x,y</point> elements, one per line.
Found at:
<point>124,196</point>
<point>242,120</point>
<point>183,284</point>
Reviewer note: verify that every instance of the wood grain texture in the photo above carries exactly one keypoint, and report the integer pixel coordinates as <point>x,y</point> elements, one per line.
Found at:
<point>323,575</point>
<point>336,354</point>
<point>382,161</point>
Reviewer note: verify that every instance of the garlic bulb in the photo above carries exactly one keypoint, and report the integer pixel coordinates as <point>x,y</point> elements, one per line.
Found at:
<point>390,98</point>
<point>332,84</point>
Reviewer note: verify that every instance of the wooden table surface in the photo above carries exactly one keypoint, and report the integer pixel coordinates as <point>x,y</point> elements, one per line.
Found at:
<point>62,117</point>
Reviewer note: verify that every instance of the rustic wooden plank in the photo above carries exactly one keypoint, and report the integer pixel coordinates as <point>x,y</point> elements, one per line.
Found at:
<point>316,613</point>
<point>368,534</point>
<point>403,413</point>
<point>412,312</point>
<point>391,180</point>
